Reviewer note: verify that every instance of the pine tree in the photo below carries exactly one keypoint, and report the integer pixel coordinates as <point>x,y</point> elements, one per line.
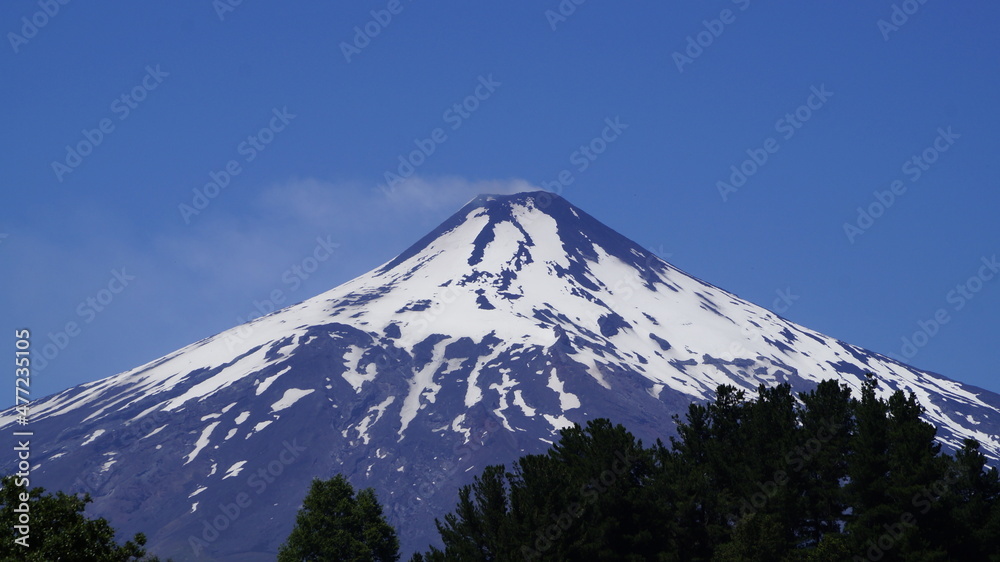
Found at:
<point>582,500</point>
<point>773,439</point>
<point>819,465</point>
<point>893,459</point>
<point>603,506</point>
<point>868,471</point>
<point>972,492</point>
<point>334,524</point>
<point>915,467</point>
<point>477,530</point>
<point>686,474</point>
<point>712,459</point>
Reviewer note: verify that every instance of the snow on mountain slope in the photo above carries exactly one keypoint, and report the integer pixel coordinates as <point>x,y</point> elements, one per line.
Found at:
<point>517,316</point>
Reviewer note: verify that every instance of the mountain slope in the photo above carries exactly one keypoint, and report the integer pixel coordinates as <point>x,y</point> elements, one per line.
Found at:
<point>517,316</point>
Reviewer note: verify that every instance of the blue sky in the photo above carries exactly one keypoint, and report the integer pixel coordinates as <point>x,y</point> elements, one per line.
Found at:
<point>746,136</point>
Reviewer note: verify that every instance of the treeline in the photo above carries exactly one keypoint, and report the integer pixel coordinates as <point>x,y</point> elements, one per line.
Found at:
<point>826,477</point>
<point>818,477</point>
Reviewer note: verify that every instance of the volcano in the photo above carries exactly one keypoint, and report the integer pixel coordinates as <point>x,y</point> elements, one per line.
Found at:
<point>516,317</point>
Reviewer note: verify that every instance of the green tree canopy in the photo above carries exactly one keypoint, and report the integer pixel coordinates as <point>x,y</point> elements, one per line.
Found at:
<point>57,528</point>
<point>818,477</point>
<point>334,524</point>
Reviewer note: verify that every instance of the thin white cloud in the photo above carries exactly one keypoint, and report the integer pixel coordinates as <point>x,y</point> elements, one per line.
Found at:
<point>317,202</point>
<point>448,192</point>
<point>251,250</point>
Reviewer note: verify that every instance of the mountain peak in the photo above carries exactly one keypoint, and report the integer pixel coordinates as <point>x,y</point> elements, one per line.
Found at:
<point>539,200</point>
<point>497,207</point>
<point>526,219</point>
<point>519,315</point>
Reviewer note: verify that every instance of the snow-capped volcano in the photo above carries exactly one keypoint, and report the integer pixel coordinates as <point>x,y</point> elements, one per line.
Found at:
<point>517,316</point>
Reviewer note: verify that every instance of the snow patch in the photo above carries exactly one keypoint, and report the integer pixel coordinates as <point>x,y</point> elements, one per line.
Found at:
<point>202,441</point>
<point>267,382</point>
<point>291,396</point>
<point>374,414</point>
<point>92,436</point>
<point>107,464</point>
<point>519,401</point>
<point>421,381</point>
<point>567,400</point>
<point>353,375</point>
<point>234,470</point>
<point>259,427</point>
<point>558,422</point>
<point>155,431</point>
<point>656,389</point>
